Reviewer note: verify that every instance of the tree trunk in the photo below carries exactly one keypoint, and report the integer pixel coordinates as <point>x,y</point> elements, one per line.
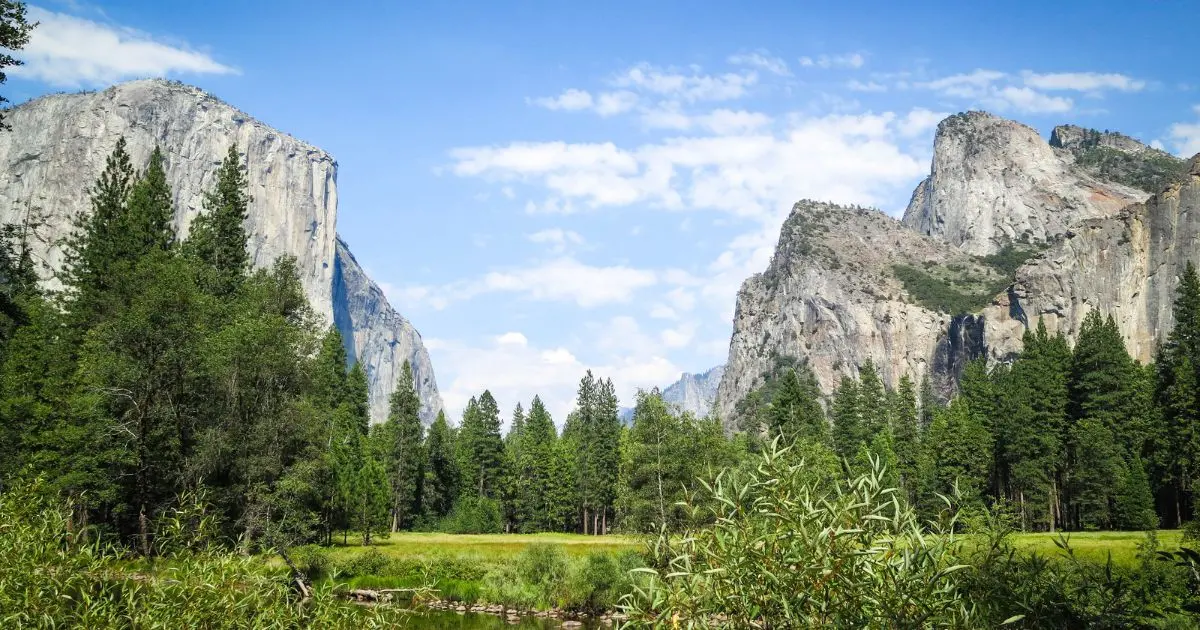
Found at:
<point>1053,506</point>
<point>585,521</point>
<point>604,523</point>
<point>144,531</point>
<point>595,520</point>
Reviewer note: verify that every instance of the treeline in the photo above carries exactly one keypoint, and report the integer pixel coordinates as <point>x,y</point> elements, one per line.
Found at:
<point>164,366</point>
<point>596,477</point>
<point>1067,438</point>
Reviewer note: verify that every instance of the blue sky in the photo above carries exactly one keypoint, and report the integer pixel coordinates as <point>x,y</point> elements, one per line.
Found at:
<point>546,187</point>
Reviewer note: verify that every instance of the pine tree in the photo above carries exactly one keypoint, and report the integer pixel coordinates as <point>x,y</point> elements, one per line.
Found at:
<point>605,460</point>
<point>358,397</point>
<point>94,268</point>
<point>402,455</point>
<point>440,488</point>
<point>536,467</point>
<point>1103,381</point>
<point>929,403</point>
<point>654,478</point>
<point>218,236</point>
<point>796,411</point>
<point>480,448</point>
<point>581,424</point>
<point>959,447</point>
<point>329,371</point>
<point>1133,503</point>
<point>906,437</point>
<point>14,34</point>
<point>370,499</point>
<point>848,430</point>
<point>148,222</point>
<point>1176,394</point>
<point>872,397</point>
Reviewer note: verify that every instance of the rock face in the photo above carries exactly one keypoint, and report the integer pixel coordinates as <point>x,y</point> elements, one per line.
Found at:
<point>1127,266</point>
<point>58,146</point>
<point>379,337</point>
<point>695,393</point>
<point>830,297</point>
<point>995,182</point>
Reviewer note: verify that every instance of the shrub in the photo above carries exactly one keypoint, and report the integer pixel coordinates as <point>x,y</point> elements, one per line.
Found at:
<point>594,584</point>
<point>785,553</point>
<point>544,568</point>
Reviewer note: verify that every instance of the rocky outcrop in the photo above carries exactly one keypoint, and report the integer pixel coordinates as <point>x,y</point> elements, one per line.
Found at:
<point>58,146</point>
<point>1127,266</point>
<point>379,337</point>
<point>1116,157</point>
<point>695,393</point>
<point>994,182</point>
<point>1075,138</point>
<point>830,297</point>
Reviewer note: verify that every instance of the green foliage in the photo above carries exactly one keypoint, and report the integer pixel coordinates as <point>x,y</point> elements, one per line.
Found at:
<point>480,450</point>
<point>943,294</point>
<point>473,515</point>
<point>1151,171</point>
<point>57,577</point>
<point>786,552</point>
<point>15,30</point>
<point>440,487</point>
<point>401,438</point>
<point>218,236</point>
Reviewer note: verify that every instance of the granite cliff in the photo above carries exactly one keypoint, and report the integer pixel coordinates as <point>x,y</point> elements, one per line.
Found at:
<point>58,146</point>
<point>994,182</point>
<point>1008,229</point>
<point>695,393</point>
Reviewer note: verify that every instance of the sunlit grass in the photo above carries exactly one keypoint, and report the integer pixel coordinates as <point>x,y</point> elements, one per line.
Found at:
<point>488,547</point>
<point>1096,546</point>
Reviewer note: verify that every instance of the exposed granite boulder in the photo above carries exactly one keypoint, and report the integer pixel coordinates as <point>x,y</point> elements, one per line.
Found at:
<point>58,146</point>
<point>1116,157</point>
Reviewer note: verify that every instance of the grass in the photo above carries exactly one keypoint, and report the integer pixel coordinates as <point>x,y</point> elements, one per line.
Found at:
<point>487,547</point>
<point>1095,546</point>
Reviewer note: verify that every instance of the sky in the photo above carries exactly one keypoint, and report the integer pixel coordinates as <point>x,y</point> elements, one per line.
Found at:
<point>544,188</point>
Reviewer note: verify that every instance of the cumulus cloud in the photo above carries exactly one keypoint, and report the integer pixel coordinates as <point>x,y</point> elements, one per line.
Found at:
<point>849,158</point>
<point>70,51</point>
<point>762,60</point>
<point>1185,136</point>
<point>848,60</point>
<point>919,121</point>
<point>570,100</point>
<point>1025,92</point>
<point>1025,99</point>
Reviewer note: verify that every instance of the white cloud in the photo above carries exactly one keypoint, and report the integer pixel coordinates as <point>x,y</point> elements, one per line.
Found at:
<point>849,60</point>
<point>563,279</point>
<point>668,115</point>
<point>512,338</point>
<point>969,85</point>
<point>848,158</point>
<point>865,86</point>
<point>687,87</point>
<point>557,239</point>
<point>70,51</point>
<point>570,100</point>
<point>605,104</point>
<point>613,103</point>
<point>919,121</point>
<point>1027,100</point>
<point>679,336</point>
<point>1083,81</point>
<point>1185,137</point>
<point>762,60</point>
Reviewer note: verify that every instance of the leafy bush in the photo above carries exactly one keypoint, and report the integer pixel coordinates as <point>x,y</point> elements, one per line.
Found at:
<point>784,552</point>
<point>52,576</point>
<point>595,584</point>
<point>370,562</point>
<point>473,515</point>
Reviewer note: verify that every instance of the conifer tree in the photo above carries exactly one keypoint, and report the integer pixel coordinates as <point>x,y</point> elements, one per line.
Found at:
<point>960,448</point>
<point>480,448</point>
<point>148,221</point>
<point>218,236</point>
<point>848,430</point>
<point>796,411</point>
<point>537,467</point>
<point>605,460</point>
<point>929,402</point>
<point>440,488</point>
<point>872,397</point>
<point>402,455</point>
<point>1133,503</point>
<point>906,437</point>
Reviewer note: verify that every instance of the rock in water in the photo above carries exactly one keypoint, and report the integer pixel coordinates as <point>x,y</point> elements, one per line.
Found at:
<point>58,146</point>
<point>996,182</point>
